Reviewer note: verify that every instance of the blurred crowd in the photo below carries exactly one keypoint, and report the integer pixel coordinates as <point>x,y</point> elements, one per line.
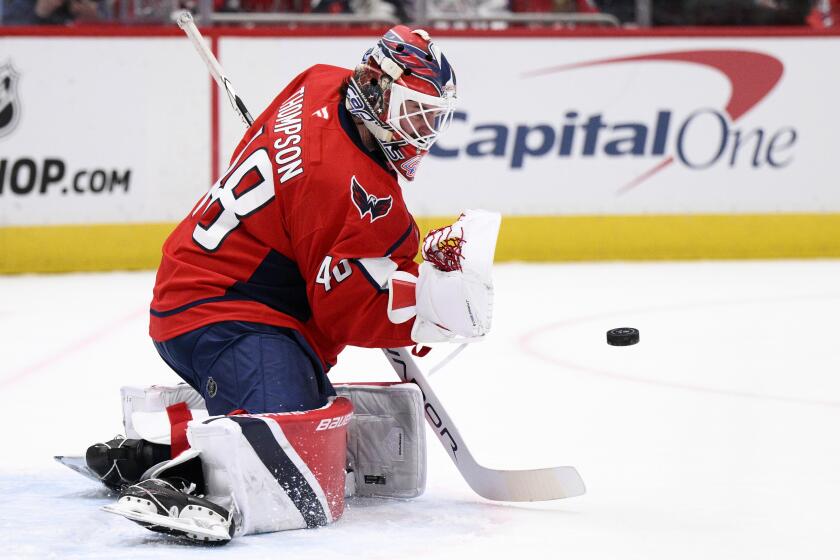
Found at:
<point>814,13</point>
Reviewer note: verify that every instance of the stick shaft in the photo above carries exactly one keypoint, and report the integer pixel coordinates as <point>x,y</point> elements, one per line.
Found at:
<point>187,25</point>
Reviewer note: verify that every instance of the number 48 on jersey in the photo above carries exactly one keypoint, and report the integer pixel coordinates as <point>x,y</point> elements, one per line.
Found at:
<point>247,189</point>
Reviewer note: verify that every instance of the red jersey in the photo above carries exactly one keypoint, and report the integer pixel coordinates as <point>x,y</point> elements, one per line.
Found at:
<point>302,231</point>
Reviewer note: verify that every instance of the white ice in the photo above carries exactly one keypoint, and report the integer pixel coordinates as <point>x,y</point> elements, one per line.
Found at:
<point>715,437</point>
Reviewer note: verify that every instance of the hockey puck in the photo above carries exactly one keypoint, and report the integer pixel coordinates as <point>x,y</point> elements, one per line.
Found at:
<point>624,336</point>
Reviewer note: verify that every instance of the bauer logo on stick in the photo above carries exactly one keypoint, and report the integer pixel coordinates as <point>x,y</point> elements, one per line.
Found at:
<point>9,103</point>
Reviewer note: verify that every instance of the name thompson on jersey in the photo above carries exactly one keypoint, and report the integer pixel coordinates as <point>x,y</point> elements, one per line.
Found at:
<point>288,125</point>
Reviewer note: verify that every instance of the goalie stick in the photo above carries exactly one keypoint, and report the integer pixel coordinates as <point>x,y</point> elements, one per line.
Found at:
<point>532,485</point>
<point>500,485</point>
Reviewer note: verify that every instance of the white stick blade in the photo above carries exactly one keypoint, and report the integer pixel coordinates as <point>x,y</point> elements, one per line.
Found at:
<point>528,485</point>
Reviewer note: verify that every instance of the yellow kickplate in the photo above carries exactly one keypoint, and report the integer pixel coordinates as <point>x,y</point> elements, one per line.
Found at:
<point>522,238</point>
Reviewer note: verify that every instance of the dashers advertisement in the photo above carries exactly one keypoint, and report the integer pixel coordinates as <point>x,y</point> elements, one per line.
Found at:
<point>637,125</point>
<point>123,129</point>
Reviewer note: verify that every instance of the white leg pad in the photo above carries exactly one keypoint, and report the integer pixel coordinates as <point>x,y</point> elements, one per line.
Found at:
<point>276,471</point>
<point>144,410</point>
<point>386,450</point>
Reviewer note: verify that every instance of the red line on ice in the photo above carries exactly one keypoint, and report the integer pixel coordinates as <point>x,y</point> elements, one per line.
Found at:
<point>526,343</point>
<point>90,340</point>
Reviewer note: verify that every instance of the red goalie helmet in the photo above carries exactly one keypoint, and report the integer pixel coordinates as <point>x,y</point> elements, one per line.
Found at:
<point>404,92</point>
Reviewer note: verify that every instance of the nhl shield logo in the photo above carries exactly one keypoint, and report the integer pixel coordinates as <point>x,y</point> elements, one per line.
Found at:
<point>9,102</point>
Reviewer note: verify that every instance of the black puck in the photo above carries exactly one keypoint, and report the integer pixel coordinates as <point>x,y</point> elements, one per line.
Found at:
<point>624,336</point>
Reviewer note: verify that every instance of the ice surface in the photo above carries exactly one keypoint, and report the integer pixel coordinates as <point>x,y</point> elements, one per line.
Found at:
<point>715,437</point>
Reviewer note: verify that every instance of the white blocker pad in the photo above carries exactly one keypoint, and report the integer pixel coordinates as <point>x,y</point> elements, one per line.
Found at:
<point>387,439</point>
<point>144,410</point>
<point>276,471</point>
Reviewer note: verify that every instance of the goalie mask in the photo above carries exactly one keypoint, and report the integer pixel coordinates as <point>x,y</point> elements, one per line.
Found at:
<point>404,92</point>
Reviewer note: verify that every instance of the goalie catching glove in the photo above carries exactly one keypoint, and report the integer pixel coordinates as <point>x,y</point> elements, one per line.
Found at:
<point>452,298</point>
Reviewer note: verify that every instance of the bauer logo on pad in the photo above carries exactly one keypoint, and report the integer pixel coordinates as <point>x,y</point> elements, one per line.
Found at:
<point>368,203</point>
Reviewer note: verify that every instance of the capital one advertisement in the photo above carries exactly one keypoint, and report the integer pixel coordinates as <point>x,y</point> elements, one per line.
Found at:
<point>560,126</point>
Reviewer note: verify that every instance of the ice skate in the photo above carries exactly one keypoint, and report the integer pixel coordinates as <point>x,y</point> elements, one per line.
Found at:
<point>160,506</point>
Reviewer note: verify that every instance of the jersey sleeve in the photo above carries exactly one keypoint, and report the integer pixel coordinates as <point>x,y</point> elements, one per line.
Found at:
<point>346,272</point>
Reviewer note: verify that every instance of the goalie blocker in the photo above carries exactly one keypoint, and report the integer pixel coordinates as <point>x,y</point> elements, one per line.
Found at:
<point>273,472</point>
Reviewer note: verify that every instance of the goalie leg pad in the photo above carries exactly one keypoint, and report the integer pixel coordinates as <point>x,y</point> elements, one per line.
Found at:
<point>144,410</point>
<point>276,471</point>
<point>386,450</point>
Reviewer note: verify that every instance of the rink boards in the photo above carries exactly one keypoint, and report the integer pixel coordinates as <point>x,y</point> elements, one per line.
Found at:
<point>610,145</point>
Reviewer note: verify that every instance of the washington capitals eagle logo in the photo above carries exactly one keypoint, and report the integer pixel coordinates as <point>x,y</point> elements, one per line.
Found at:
<point>368,203</point>
<point>9,104</point>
